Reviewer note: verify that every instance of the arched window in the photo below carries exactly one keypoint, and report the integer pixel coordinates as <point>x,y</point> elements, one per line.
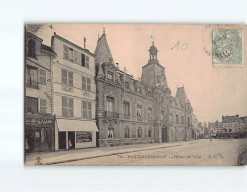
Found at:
<point>110,131</point>
<point>150,132</point>
<point>139,132</point>
<point>126,132</point>
<point>31,48</point>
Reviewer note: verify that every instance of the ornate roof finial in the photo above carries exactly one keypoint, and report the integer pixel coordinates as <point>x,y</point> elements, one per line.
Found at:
<point>153,39</point>
<point>98,36</point>
<point>103,30</point>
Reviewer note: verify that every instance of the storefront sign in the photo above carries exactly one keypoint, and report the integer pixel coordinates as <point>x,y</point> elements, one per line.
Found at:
<point>38,121</point>
<point>83,136</point>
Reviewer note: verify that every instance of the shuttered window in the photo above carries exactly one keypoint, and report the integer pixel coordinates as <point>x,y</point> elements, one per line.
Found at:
<point>67,78</point>
<point>86,110</point>
<point>67,107</point>
<point>86,83</point>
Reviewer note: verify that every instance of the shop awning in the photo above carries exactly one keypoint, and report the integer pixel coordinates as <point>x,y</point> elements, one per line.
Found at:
<point>76,125</point>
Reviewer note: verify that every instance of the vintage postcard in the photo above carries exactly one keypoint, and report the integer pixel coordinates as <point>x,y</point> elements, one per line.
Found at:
<point>135,95</point>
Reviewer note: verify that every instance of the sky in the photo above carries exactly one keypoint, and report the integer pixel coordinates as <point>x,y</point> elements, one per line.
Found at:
<point>182,51</point>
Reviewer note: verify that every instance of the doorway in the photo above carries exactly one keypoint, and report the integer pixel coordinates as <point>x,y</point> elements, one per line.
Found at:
<point>164,134</point>
<point>71,139</point>
<point>62,140</point>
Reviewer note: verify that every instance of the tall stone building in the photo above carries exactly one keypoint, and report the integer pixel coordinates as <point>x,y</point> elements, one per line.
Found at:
<point>131,111</point>
<point>39,118</point>
<point>74,95</point>
<point>124,105</point>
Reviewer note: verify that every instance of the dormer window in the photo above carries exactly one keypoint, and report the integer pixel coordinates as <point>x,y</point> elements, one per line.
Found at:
<point>31,48</point>
<point>110,75</point>
<point>139,89</point>
<point>127,85</point>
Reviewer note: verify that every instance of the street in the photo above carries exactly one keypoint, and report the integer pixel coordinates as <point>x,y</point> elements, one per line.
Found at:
<point>221,152</point>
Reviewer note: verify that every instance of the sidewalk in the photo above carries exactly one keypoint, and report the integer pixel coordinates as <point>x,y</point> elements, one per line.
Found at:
<point>57,157</point>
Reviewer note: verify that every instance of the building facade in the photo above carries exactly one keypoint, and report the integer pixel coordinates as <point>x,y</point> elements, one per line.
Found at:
<point>74,95</point>
<point>216,129</point>
<point>131,111</point>
<point>124,105</point>
<point>234,126</point>
<point>39,118</point>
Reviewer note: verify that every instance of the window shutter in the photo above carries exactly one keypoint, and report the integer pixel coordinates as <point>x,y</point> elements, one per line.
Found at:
<point>65,52</point>
<point>84,85</point>
<point>83,59</point>
<point>87,62</point>
<point>89,84</point>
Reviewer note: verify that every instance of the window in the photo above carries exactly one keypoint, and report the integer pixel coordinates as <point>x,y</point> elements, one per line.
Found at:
<point>43,106</point>
<point>139,112</point>
<point>110,75</point>
<point>110,104</point>
<point>139,89</point>
<point>84,60</point>
<point>126,132</point>
<point>71,54</point>
<point>110,131</point>
<point>67,107</point>
<point>126,109</point>
<point>32,77</point>
<point>127,85</point>
<point>86,110</point>
<point>31,48</point>
<point>176,118</point>
<point>86,83</point>
<point>188,121</point>
<point>149,114</point>
<point>42,76</point>
<point>230,130</point>
<point>31,105</point>
<point>182,119</point>
<point>162,116</point>
<point>83,136</point>
<point>77,57</point>
<point>67,78</point>
<point>139,132</point>
<point>150,132</point>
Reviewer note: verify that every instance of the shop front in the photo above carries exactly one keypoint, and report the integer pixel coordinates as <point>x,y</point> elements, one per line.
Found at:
<point>39,133</point>
<point>75,134</point>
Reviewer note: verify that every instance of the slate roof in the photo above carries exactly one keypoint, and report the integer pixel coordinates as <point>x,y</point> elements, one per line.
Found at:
<point>181,94</point>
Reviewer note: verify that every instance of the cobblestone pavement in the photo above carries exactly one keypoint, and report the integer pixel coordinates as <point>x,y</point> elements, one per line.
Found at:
<point>198,153</point>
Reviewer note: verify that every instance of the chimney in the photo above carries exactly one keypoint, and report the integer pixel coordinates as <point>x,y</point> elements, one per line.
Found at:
<point>85,42</point>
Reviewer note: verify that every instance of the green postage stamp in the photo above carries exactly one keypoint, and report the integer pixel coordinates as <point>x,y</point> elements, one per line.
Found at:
<point>227,47</point>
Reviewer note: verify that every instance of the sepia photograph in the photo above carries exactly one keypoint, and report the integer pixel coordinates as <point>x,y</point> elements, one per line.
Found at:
<point>135,94</point>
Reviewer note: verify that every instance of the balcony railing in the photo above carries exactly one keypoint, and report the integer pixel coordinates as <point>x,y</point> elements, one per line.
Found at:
<point>111,114</point>
<point>31,83</point>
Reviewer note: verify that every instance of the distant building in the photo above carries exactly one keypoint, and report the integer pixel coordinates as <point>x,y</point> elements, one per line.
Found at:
<point>234,126</point>
<point>39,118</point>
<point>74,95</point>
<point>216,128</point>
<point>131,111</point>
